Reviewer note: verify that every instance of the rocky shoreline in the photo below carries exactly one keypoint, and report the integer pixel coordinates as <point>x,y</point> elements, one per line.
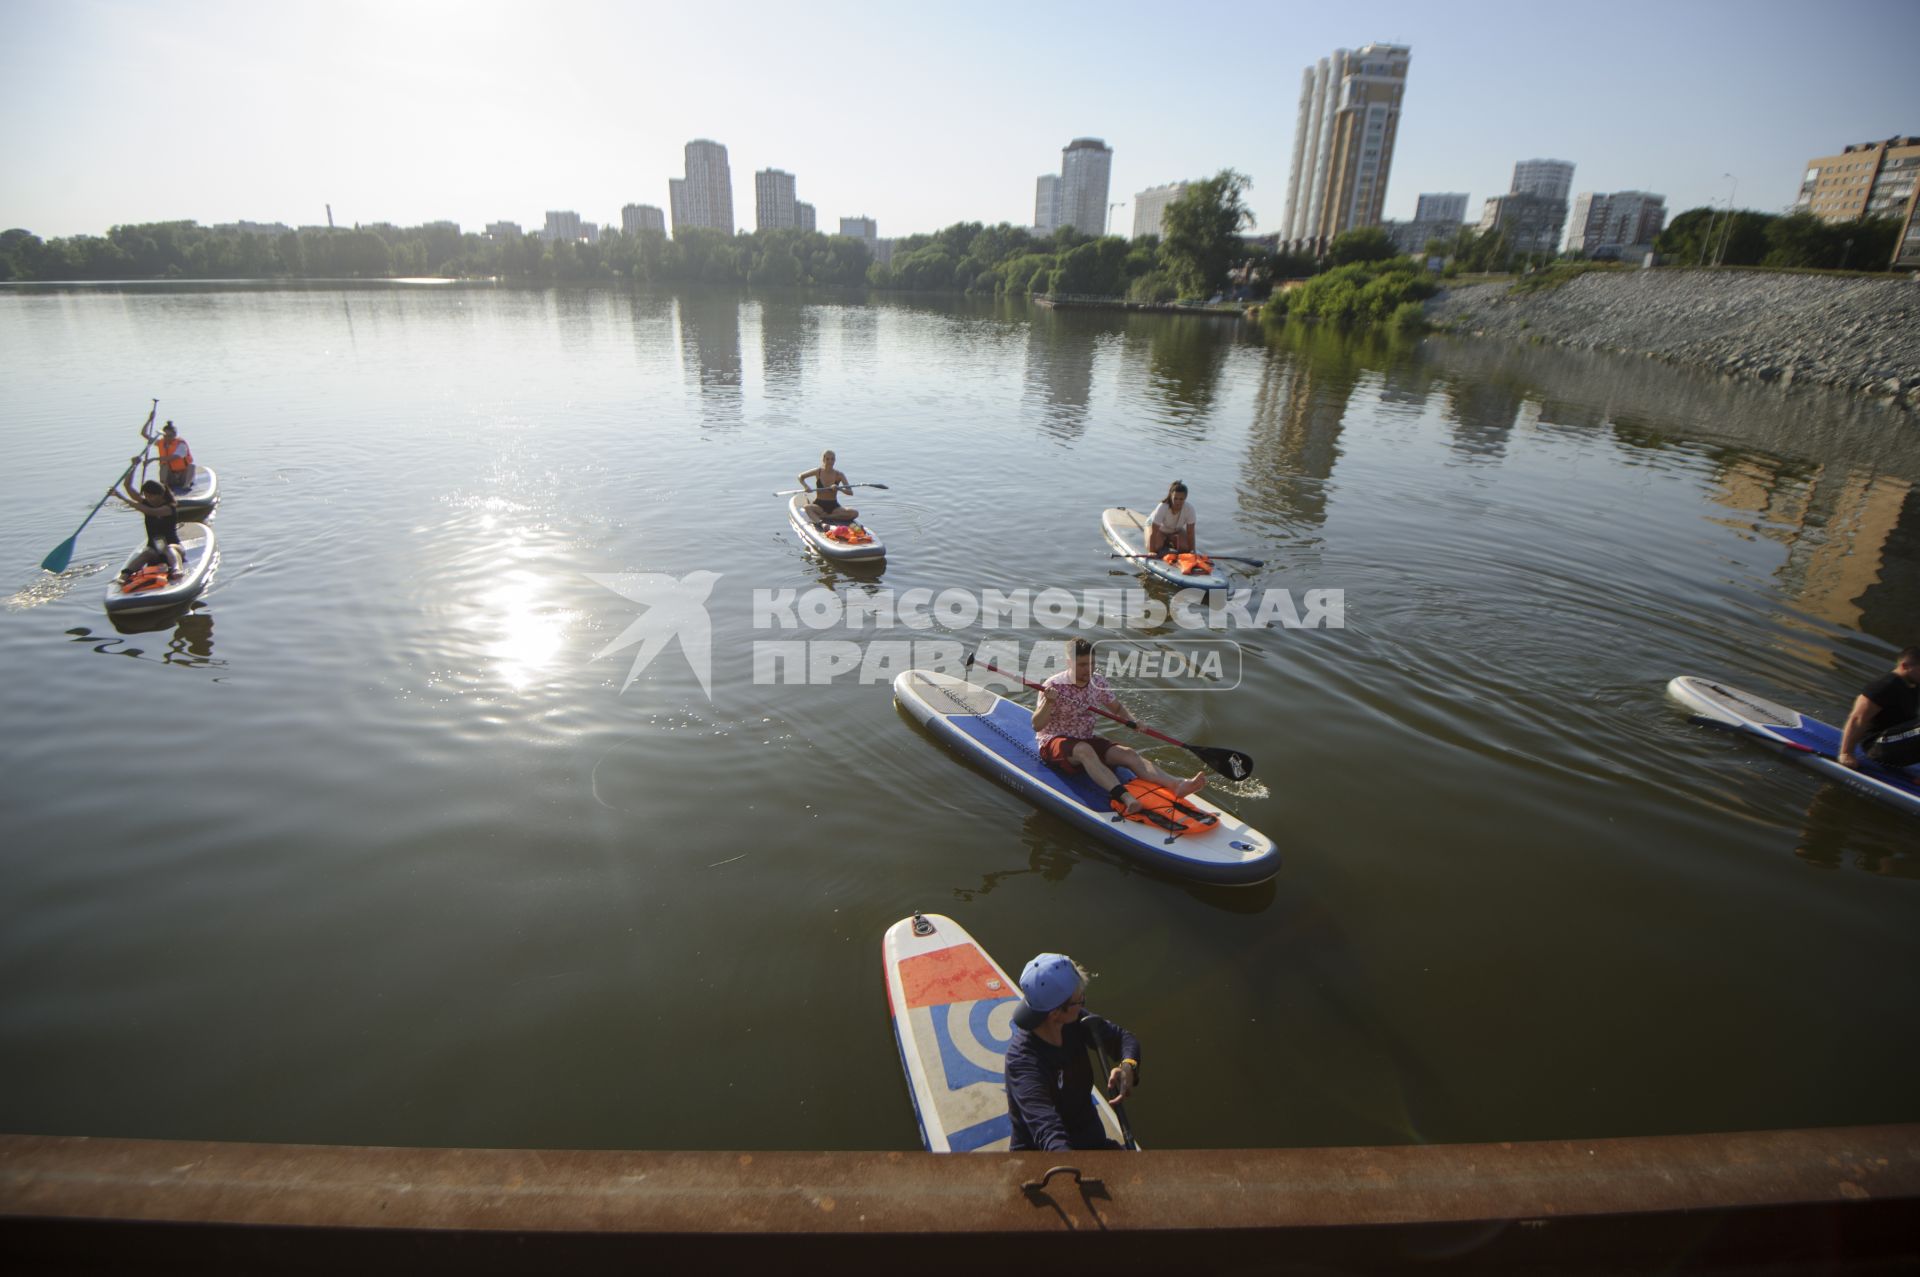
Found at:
<point>1857,334</point>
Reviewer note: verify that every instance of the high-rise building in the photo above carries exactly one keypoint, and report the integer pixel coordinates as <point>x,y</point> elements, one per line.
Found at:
<point>1450,207</point>
<point>1532,223</point>
<point>860,228</point>
<point>1533,213</point>
<point>804,217</point>
<point>561,225</point>
<point>1046,203</point>
<point>503,230</point>
<point>1150,207</point>
<point>1085,166</point>
<point>1343,143</point>
<point>773,200</point>
<point>1435,216</point>
<point>704,197</point>
<point>1616,224</point>
<point>1867,179</point>
<point>1550,178</point>
<point>635,218</point>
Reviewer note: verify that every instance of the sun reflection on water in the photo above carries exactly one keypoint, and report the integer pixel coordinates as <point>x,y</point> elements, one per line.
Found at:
<point>529,630</point>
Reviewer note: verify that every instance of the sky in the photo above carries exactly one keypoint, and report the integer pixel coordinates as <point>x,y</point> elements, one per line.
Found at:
<point>409,111</point>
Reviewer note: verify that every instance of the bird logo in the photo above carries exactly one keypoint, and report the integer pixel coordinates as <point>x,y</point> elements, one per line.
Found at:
<point>675,607</point>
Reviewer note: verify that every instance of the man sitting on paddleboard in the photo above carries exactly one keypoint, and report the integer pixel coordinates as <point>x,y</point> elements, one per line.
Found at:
<point>1171,528</point>
<point>827,483</point>
<point>1063,721</point>
<point>1049,1081</point>
<point>1886,717</point>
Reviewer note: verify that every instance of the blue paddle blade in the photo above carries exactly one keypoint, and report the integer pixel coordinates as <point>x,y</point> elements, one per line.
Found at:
<point>61,556</point>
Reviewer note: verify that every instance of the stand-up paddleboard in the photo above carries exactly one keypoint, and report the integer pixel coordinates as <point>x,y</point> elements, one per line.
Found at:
<point>817,540</point>
<point>996,734</point>
<point>201,496</point>
<point>1126,532</point>
<point>202,554</point>
<point>952,1010</point>
<point>1805,740</point>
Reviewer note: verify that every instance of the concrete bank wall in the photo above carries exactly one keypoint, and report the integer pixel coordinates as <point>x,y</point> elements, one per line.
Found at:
<point>1858,334</point>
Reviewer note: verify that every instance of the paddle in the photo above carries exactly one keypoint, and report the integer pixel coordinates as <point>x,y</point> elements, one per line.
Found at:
<point>62,554</point>
<point>1231,558</point>
<point>838,487</point>
<point>1119,1108</point>
<point>1230,763</point>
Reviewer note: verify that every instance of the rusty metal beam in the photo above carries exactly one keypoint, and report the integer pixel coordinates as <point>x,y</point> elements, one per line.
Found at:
<point>1839,1197</point>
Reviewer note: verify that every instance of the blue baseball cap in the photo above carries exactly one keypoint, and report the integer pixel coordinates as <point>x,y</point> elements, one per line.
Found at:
<point>1046,985</point>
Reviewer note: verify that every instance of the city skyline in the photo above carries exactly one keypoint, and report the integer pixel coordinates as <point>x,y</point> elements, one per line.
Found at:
<point>218,112</point>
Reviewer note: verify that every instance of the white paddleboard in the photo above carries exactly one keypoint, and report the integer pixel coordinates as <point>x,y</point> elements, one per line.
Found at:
<point>820,543</point>
<point>1126,532</point>
<point>198,501</point>
<point>952,1010</point>
<point>202,554</point>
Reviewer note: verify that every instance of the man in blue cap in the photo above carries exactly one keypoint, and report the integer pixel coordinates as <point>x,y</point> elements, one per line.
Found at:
<point>1049,1080</point>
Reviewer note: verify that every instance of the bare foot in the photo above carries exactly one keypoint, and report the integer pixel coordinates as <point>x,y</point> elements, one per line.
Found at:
<point>1191,785</point>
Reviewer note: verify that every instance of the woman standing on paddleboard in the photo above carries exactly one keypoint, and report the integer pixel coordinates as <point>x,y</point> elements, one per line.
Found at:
<point>1171,529</point>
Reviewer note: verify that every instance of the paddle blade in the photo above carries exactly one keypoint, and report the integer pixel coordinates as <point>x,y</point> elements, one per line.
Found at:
<point>61,556</point>
<point>1230,763</point>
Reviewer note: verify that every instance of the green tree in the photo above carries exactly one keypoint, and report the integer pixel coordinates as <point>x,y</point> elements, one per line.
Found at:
<point>1361,244</point>
<point>1200,232</point>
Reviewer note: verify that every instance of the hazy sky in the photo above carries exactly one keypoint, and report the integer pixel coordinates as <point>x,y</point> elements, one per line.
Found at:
<point>918,115</point>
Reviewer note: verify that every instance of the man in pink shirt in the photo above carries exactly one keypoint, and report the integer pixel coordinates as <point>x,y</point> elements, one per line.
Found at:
<point>1063,721</point>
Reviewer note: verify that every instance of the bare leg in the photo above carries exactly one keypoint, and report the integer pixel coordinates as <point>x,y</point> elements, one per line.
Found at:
<point>1101,774</point>
<point>1146,769</point>
<point>1156,541</point>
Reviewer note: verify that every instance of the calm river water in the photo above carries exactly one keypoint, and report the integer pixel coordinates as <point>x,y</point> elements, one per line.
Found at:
<point>377,846</point>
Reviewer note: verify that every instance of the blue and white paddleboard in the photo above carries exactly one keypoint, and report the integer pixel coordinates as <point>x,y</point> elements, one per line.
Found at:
<point>996,734</point>
<point>1126,532</point>
<point>952,1010</point>
<point>1807,741</point>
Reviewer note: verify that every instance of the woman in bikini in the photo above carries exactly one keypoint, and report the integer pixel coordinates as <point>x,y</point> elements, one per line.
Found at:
<point>827,483</point>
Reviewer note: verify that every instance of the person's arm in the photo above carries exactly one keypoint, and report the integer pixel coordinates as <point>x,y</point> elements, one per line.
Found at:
<point>1029,1095</point>
<point>1863,714</point>
<point>1043,712</point>
<point>1193,535</point>
<point>806,477</point>
<point>1123,1048</point>
<point>1113,704</point>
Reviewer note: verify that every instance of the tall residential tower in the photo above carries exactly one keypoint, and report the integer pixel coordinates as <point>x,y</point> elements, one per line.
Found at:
<point>704,197</point>
<point>773,202</point>
<point>1085,166</point>
<point>1343,143</point>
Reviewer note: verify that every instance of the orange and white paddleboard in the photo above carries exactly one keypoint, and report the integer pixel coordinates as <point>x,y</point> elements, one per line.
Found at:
<point>952,1011</point>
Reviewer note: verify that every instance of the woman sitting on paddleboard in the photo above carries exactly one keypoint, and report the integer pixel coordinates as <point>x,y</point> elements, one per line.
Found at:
<point>1063,721</point>
<point>827,483</point>
<point>155,504</point>
<point>1171,528</point>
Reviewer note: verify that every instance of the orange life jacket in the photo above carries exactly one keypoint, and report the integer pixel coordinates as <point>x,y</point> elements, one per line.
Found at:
<point>151,577</point>
<point>849,534</point>
<point>1159,808</point>
<point>1189,564</point>
<point>175,452</point>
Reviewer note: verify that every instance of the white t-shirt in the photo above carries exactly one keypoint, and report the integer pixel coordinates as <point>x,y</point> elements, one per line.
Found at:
<point>1164,520</point>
